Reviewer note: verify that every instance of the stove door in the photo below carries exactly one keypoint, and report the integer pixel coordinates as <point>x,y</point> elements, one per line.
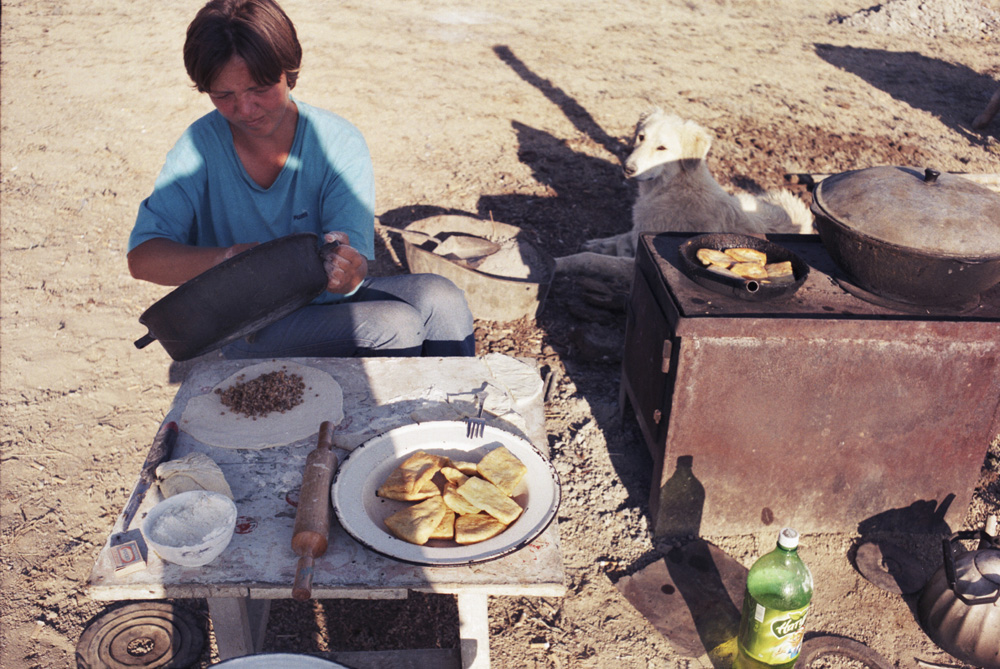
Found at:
<point>647,376</point>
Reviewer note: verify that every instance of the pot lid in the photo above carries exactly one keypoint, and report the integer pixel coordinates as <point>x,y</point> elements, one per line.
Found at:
<point>915,208</point>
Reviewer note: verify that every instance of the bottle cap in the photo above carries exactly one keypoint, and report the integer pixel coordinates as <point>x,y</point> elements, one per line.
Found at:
<point>788,538</point>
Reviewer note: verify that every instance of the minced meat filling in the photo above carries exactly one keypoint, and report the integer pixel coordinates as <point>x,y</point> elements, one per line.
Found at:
<point>274,391</point>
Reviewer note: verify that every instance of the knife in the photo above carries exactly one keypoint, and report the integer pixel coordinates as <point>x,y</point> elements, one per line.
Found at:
<point>160,451</point>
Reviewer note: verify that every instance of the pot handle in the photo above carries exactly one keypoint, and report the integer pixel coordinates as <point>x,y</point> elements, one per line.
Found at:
<point>950,570</point>
<point>949,562</point>
<point>145,340</point>
<point>931,175</point>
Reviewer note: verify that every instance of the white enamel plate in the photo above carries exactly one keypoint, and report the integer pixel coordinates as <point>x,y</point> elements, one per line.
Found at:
<point>361,513</point>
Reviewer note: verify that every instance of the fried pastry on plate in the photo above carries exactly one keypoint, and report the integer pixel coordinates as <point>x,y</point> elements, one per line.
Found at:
<point>396,489</point>
<point>456,502</point>
<point>467,468</point>
<point>412,476</point>
<point>446,528</point>
<point>475,528</point>
<point>418,522</point>
<point>453,475</point>
<point>502,468</point>
<point>490,499</point>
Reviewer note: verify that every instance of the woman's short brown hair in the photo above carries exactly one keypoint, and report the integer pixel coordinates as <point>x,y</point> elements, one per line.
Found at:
<point>258,31</point>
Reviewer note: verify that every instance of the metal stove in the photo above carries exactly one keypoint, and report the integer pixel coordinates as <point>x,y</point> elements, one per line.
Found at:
<point>830,411</point>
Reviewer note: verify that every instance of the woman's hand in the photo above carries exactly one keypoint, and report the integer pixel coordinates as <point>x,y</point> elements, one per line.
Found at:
<point>345,267</point>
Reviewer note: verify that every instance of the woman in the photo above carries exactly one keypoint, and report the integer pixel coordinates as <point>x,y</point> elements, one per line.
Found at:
<point>264,165</point>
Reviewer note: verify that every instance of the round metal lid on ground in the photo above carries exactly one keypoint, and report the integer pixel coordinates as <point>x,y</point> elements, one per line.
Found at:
<point>143,634</point>
<point>828,645</point>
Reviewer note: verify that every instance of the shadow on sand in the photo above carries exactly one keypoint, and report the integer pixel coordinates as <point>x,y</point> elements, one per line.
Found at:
<point>953,93</point>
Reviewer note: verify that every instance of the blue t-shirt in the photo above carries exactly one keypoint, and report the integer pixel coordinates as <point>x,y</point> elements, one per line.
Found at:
<point>204,196</point>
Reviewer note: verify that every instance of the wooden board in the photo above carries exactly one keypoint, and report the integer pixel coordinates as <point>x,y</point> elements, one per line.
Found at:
<point>379,394</point>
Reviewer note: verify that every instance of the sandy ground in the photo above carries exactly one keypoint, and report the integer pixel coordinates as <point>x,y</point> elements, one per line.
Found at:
<point>521,111</point>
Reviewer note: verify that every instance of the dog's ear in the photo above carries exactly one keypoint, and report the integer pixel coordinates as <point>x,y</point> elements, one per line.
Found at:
<point>695,141</point>
<point>648,114</point>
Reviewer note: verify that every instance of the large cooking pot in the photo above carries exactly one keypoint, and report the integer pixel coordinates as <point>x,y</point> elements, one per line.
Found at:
<point>911,235</point>
<point>237,297</point>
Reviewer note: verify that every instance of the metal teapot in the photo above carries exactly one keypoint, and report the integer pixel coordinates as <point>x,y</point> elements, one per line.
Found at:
<point>959,607</point>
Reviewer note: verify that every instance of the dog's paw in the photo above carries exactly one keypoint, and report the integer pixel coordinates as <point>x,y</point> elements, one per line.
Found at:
<point>608,246</point>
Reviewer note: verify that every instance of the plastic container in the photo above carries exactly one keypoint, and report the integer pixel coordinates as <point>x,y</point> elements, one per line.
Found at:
<point>192,528</point>
<point>775,603</point>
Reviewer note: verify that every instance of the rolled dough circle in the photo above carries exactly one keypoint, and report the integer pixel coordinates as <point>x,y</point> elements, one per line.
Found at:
<point>209,421</point>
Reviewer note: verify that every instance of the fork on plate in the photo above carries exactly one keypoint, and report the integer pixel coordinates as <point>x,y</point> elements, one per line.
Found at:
<point>475,427</point>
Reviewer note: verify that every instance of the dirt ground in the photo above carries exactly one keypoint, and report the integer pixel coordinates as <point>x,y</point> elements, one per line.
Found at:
<point>520,111</point>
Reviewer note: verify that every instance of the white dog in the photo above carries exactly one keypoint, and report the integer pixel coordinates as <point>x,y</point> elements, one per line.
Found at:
<point>678,194</point>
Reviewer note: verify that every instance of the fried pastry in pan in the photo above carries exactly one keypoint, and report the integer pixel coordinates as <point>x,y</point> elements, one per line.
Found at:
<point>747,255</point>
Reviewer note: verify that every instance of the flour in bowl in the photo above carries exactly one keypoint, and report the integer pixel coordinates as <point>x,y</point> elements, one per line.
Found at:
<point>191,524</point>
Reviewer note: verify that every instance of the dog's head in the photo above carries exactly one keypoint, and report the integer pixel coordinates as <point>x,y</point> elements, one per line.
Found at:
<point>665,143</point>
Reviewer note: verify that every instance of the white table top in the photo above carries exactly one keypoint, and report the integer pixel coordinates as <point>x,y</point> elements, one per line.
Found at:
<point>379,394</point>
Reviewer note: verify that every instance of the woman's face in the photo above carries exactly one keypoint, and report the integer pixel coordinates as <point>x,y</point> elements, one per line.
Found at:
<point>252,110</point>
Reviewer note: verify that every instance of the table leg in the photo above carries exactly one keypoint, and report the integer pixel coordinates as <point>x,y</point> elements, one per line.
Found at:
<point>474,630</point>
<point>239,624</point>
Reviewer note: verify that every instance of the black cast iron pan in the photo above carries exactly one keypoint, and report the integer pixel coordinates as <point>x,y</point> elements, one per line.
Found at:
<point>237,297</point>
<point>744,289</point>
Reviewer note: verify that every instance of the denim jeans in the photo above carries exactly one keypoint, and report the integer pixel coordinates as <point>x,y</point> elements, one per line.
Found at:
<point>404,315</point>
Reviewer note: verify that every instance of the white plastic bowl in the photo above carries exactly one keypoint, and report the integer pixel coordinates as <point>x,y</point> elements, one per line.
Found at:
<point>192,528</point>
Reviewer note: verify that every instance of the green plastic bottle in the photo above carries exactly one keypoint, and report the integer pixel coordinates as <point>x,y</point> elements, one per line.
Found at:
<point>775,604</point>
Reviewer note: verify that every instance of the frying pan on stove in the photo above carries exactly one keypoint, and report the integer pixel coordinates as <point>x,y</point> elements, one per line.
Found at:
<point>744,289</point>
<point>237,297</point>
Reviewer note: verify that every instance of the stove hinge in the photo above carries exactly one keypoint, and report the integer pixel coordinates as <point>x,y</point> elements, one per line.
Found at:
<point>668,347</point>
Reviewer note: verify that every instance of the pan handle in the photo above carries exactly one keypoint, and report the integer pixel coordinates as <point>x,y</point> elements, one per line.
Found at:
<point>145,340</point>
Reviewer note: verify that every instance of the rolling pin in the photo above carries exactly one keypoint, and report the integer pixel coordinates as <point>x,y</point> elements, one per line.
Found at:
<point>312,519</point>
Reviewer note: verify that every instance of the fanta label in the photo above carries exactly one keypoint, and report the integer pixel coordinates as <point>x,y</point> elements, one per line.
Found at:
<point>771,636</point>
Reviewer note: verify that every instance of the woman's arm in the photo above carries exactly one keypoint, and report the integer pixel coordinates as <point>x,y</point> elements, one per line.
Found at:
<point>169,263</point>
